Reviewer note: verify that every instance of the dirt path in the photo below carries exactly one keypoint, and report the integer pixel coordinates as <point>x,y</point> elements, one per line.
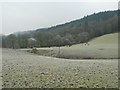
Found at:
<point>22,69</point>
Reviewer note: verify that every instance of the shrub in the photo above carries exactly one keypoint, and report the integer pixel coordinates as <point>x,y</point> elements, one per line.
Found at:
<point>34,50</point>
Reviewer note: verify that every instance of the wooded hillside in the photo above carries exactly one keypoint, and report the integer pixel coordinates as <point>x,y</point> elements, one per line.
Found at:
<point>74,32</point>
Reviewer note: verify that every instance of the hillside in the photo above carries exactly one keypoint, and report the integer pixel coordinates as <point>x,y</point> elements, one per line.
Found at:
<point>103,47</point>
<point>74,32</point>
<point>108,39</point>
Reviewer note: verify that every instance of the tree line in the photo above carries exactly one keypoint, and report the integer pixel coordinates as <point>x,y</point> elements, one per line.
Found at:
<point>74,32</point>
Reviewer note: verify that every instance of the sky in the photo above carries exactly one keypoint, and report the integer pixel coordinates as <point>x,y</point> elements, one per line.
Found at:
<point>24,16</point>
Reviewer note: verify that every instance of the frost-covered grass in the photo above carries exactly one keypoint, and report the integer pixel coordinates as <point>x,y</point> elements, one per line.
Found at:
<point>22,69</point>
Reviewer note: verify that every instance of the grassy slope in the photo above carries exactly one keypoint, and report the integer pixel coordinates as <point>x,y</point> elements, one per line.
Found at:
<point>104,47</point>
<point>106,39</point>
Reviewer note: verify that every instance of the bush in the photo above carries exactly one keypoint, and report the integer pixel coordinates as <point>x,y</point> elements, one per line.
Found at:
<point>34,50</point>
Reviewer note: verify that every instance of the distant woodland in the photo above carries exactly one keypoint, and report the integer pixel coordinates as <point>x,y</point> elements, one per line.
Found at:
<point>74,32</point>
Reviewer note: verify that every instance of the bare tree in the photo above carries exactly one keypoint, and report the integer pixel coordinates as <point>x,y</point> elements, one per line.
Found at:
<point>31,42</point>
<point>58,42</point>
<point>68,40</point>
<point>83,37</point>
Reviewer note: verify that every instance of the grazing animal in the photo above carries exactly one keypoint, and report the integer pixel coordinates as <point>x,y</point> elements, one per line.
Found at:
<point>87,43</point>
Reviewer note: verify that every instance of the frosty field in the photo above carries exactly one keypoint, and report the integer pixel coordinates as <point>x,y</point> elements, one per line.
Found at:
<point>99,69</point>
<point>22,69</point>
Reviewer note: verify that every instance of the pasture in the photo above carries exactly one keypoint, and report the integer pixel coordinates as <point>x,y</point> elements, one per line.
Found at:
<point>104,47</point>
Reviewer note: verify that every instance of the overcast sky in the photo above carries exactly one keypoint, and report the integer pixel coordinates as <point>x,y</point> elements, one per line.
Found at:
<point>25,16</point>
